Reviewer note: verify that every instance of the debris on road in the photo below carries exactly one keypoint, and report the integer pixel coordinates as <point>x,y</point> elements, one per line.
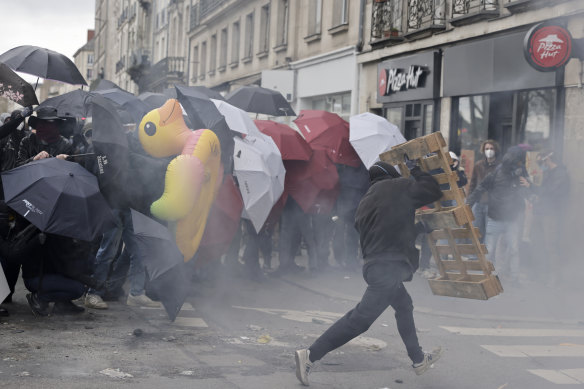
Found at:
<point>115,373</point>
<point>398,381</point>
<point>254,327</point>
<point>169,338</point>
<point>187,372</point>
<point>23,374</point>
<point>138,332</point>
<point>318,321</point>
<point>264,339</point>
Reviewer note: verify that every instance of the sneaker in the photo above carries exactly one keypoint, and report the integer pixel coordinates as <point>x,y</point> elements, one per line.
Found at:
<point>429,359</point>
<point>67,308</point>
<point>95,301</point>
<point>303,366</point>
<point>38,307</point>
<point>142,301</point>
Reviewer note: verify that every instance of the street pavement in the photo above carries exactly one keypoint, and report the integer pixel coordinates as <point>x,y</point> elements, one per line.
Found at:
<point>236,333</point>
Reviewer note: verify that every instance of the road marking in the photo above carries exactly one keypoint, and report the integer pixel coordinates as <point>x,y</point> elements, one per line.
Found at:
<point>524,351</point>
<point>301,316</point>
<point>561,377</point>
<point>185,307</point>
<point>190,322</point>
<point>519,332</point>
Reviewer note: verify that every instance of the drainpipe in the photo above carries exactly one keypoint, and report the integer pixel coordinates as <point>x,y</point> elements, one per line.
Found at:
<point>361,22</point>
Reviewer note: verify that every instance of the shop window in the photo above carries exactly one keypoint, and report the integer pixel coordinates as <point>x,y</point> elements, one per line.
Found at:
<point>338,103</point>
<point>535,116</point>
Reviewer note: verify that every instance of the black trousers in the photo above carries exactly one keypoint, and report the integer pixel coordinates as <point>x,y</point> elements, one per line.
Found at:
<point>384,288</point>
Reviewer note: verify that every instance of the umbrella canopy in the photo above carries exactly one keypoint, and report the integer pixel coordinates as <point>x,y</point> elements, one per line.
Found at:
<point>291,144</point>
<point>237,119</point>
<point>111,149</point>
<point>153,100</point>
<point>103,84</point>
<point>58,197</point>
<point>372,135</point>
<point>328,131</point>
<point>260,172</point>
<point>202,113</point>
<point>260,100</point>
<point>127,101</point>
<point>43,63</point>
<point>71,104</point>
<point>210,93</point>
<point>313,184</point>
<point>222,222</point>
<point>15,88</point>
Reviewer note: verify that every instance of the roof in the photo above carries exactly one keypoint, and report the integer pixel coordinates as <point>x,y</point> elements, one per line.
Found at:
<point>86,47</point>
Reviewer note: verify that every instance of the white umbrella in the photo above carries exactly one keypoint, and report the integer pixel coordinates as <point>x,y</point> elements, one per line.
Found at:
<point>237,119</point>
<point>260,172</point>
<point>372,135</point>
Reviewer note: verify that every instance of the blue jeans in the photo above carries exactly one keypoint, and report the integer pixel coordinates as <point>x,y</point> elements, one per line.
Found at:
<point>384,288</point>
<point>55,288</point>
<point>480,212</point>
<point>502,241</point>
<point>108,250</point>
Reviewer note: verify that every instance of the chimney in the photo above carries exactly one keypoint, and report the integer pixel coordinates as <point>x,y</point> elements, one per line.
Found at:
<point>90,34</point>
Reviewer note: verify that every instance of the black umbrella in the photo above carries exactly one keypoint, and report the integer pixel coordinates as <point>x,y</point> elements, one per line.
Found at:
<point>154,100</point>
<point>43,63</point>
<point>111,149</point>
<point>72,104</point>
<point>202,113</point>
<point>210,93</point>
<point>58,197</point>
<point>104,84</point>
<point>163,260</point>
<point>15,88</point>
<point>260,100</point>
<point>127,101</point>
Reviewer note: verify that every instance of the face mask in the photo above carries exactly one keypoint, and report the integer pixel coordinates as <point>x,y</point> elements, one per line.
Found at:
<point>489,153</point>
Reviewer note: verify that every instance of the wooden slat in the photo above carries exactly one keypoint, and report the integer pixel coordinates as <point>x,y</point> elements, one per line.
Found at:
<point>473,265</point>
<point>444,178</point>
<point>463,249</point>
<point>450,217</point>
<point>479,287</point>
<point>414,149</point>
<point>452,195</point>
<point>432,163</point>
<point>459,233</point>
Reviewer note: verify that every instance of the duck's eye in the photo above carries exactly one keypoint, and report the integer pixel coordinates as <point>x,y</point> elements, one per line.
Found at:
<point>150,128</point>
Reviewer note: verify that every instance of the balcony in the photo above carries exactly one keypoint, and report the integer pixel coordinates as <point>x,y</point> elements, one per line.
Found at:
<point>386,23</point>
<point>515,6</point>
<point>138,64</point>
<point>194,20</point>
<point>425,16</point>
<point>206,7</point>
<point>165,73</point>
<point>470,11</point>
<point>120,64</point>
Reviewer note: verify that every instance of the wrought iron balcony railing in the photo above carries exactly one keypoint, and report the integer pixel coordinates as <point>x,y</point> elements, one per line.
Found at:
<point>165,72</point>
<point>206,7</point>
<point>194,18</point>
<point>385,19</point>
<point>120,64</point>
<point>467,7</point>
<point>424,14</point>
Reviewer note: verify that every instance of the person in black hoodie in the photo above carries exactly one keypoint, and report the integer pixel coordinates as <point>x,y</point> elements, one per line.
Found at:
<point>385,220</point>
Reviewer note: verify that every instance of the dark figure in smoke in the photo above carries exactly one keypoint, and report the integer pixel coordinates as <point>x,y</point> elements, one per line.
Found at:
<point>385,221</point>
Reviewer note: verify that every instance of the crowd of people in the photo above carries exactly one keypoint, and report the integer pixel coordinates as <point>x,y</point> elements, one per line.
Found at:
<point>93,273</point>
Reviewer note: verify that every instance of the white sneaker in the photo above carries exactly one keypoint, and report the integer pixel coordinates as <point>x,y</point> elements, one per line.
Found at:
<point>142,301</point>
<point>95,301</point>
<point>303,366</point>
<point>429,359</point>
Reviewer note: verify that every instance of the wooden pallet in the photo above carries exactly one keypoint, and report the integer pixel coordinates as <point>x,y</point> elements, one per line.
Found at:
<point>454,239</point>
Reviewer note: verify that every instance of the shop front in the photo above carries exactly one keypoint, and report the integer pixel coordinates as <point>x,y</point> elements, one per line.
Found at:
<point>408,88</point>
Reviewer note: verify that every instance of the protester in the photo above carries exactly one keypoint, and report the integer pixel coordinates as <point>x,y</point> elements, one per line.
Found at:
<point>506,187</point>
<point>385,221</point>
<point>46,141</point>
<point>490,149</point>
<point>256,243</point>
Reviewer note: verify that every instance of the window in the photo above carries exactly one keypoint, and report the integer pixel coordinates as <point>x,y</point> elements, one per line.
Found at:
<point>338,103</point>
<point>195,63</point>
<point>213,54</point>
<point>314,17</point>
<point>282,33</point>
<point>90,59</point>
<point>223,53</point>
<point>340,12</point>
<point>235,43</point>
<point>203,60</point>
<point>248,49</point>
<point>89,74</point>
<point>265,29</point>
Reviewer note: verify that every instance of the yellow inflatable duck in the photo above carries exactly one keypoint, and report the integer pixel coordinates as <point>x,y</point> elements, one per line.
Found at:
<point>192,178</point>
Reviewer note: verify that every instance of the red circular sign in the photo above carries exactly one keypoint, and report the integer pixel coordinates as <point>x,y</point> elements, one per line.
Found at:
<point>382,83</point>
<point>548,47</point>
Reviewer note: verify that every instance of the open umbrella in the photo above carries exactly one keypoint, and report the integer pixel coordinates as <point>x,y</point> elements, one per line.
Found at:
<point>260,100</point>
<point>202,113</point>
<point>111,150</point>
<point>71,104</point>
<point>237,119</point>
<point>328,131</point>
<point>58,197</point>
<point>313,184</point>
<point>153,100</point>
<point>15,88</point>
<point>260,172</point>
<point>291,144</point>
<point>127,101</point>
<point>43,63</point>
<point>210,93</point>
<point>103,84</point>
<point>372,135</point>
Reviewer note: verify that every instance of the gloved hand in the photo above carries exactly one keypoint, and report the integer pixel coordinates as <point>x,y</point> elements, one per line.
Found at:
<point>410,164</point>
<point>27,111</point>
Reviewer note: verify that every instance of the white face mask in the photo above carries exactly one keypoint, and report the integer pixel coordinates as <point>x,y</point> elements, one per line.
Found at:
<point>489,153</point>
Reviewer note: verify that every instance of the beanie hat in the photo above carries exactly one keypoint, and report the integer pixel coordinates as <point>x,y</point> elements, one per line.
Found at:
<point>381,170</point>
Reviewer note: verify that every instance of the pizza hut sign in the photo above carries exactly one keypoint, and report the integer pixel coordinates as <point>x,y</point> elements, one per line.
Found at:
<point>394,80</point>
<point>547,47</point>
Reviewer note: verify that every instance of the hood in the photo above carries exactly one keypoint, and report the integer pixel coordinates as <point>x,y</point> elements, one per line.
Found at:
<point>382,171</point>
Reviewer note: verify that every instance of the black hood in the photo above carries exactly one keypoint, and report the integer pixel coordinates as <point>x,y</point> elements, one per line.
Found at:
<point>381,171</point>
<point>513,158</point>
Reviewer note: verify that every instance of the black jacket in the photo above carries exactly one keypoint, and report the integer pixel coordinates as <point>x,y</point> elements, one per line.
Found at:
<point>385,217</point>
<point>553,194</point>
<point>30,146</point>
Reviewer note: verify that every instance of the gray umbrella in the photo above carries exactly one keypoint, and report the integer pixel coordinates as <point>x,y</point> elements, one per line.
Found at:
<point>260,100</point>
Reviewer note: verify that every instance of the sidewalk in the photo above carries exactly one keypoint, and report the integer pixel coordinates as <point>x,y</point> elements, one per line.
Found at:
<point>525,303</point>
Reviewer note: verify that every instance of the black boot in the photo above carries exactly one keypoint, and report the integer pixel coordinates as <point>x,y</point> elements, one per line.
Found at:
<point>67,308</point>
<point>4,312</point>
<point>38,307</point>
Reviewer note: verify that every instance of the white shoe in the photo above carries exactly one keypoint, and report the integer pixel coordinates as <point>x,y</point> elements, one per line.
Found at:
<point>142,301</point>
<point>95,301</point>
<point>303,366</point>
<point>429,359</point>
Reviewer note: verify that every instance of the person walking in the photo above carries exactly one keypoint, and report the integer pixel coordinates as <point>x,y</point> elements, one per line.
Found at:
<point>386,226</point>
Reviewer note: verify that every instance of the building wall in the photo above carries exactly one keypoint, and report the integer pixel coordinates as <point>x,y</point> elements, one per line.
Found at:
<point>105,38</point>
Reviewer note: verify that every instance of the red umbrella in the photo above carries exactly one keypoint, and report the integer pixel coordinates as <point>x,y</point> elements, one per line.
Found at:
<point>291,144</point>
<point>313,184</point>
<point>222,222</point>
<point>326,130</point>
